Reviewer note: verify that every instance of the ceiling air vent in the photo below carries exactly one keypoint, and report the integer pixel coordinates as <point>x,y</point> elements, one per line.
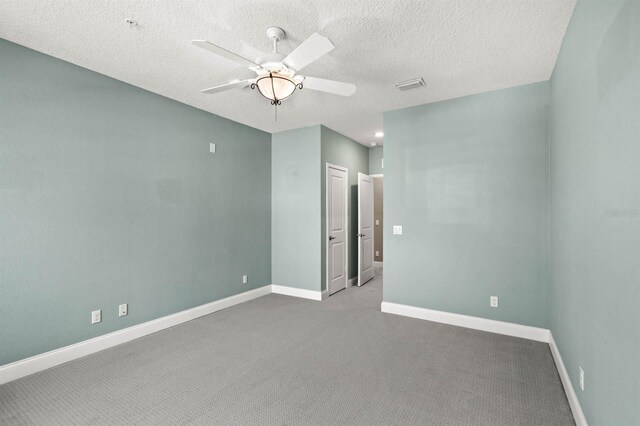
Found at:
<point>411,84</point>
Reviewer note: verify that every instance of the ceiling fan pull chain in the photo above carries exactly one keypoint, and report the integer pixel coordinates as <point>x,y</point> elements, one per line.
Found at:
<point>275,104</point>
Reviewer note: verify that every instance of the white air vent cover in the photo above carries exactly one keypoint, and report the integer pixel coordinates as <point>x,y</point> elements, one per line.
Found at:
<point>411,84</point>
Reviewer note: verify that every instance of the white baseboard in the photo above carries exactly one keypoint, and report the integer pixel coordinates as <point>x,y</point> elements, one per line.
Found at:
<point>18,369</point>
<point>500,327</point>
<point>574,402</point>
<point>34,364</point>
<point>296,292</point>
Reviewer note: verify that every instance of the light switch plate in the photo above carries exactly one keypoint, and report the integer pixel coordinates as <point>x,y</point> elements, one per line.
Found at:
<point>493,301</point>
<point>397,230</point>
<point>245,279</point>
<point>212,148</point>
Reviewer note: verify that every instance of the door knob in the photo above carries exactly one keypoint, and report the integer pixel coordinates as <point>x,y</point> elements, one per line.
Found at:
<point>331,238</point>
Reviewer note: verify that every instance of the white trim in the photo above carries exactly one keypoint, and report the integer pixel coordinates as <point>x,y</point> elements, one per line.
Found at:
<point>24,367</point>
<point>500,327</point>
<point>326,226</point>
<point>335,166</point>
<point>377,175</point>
<point>297,292</point>
<point>34,364</point>
<point>574,402</point>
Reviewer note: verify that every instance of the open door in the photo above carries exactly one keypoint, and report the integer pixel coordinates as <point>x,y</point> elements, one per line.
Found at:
<point>336,228</point>
<point>365,228</point>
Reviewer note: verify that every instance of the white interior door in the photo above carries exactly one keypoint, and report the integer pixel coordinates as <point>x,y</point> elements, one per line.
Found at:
<point>365,228</point>
<point>336,228</point>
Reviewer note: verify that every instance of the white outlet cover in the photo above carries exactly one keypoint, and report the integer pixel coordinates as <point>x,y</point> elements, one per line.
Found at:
<point>377,253</point>
<point>212,148</point>
<point>245,279</point>
<point>377,221</point>
<point>581,371</point>
<point>96,316</point>
<point>397,230</point>
<point>123,310</point>
<point>493,301</point>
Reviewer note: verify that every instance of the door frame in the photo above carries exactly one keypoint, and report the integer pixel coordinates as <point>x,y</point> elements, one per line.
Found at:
<point>378,175</point>
<point>326,226</point>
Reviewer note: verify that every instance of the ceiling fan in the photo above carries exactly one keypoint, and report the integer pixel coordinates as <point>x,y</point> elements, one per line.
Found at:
<point>277,76</point>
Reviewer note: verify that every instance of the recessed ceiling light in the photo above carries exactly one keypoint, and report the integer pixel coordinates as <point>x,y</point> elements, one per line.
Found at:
<point>373,144</point>
<point>379,134</point>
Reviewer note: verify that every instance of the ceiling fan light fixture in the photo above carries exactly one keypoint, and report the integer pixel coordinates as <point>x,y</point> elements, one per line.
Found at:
<point>276,87</point>
<point>277,74</point>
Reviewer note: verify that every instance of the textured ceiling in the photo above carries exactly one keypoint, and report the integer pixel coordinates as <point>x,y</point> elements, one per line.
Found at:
<point>459,47</point>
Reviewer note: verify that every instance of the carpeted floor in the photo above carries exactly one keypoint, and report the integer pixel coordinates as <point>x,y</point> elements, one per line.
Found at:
<point>280,360</point>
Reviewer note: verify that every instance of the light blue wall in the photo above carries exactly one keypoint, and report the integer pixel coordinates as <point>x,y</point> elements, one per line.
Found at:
<point>298,198</point>
<point>296,248</point>
<point>595,208</point>
<point>108,195</point>
<point>375,160</point>
<point>468,181</point>
<point>340,150</point>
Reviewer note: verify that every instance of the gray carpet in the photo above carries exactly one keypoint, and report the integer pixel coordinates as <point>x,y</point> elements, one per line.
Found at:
<point>280,360</point>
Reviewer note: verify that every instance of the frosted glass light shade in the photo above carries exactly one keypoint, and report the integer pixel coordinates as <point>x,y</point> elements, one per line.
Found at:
<point>276,87</point>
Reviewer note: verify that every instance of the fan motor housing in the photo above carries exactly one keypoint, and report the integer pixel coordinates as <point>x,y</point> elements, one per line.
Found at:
<point>271,61</point>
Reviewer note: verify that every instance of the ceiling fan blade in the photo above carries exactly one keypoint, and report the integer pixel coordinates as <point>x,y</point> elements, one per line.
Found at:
<point>329,86</point>
<point>233,85</point>
<point>203,44</point>
<point>311,49</point>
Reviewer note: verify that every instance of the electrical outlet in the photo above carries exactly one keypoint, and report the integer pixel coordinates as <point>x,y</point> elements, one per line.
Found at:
<point>397,230</point>
<point>245,279</point>
<point>581,378</point>
<point>493,301</point>
<point>212,148</point>
<point>377,253</point>
<point>96,316</point>
<point>377,221</point>
<point>123,310</point>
